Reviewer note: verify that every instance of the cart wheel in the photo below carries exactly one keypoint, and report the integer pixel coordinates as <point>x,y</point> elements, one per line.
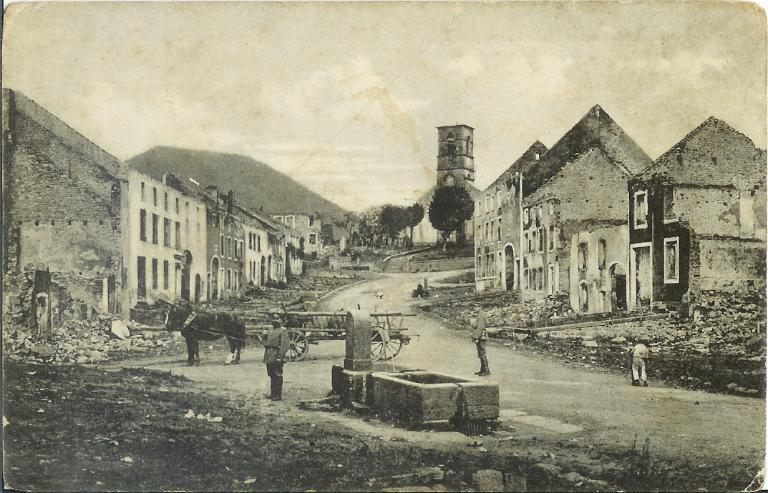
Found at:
<point>382,346</point>
<point>298,346</point>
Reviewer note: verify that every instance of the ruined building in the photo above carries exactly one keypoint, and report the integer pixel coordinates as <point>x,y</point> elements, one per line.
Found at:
<point>61,219</point>
<point>697,220</point>
<point>569,232</point>
<point>498,226</point>
<point>455,166</point>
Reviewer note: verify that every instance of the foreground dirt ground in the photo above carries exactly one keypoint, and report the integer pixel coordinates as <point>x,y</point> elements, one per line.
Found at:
<point>84,429</point>
<point>134,425</point>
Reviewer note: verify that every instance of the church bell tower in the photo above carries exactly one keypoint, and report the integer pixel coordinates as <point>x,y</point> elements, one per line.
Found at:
<point>455,158</point>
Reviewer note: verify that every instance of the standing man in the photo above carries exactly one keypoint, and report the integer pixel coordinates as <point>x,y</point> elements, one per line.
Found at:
<point>639,354</point>
<point>275,346</point>
<point>479,337</point>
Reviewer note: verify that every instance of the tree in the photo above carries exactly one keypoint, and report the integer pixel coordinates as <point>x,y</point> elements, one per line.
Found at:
<point>393,220</point>
<point>349,223</point>
<point>369,225</point>
<point>450,207</point>
<point>415,214</point>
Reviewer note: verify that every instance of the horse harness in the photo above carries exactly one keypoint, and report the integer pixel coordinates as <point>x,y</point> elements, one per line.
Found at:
<point>188,324</point>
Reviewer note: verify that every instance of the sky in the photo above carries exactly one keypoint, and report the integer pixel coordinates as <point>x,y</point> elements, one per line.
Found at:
<point>345,97</point>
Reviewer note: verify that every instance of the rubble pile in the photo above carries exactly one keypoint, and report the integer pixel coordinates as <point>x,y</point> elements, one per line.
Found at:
<point>720,348</point>
<point>83,342</point>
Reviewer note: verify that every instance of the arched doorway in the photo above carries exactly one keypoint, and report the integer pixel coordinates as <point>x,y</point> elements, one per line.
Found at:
<point>186,267</point>
<point>509,267</point>
<point>262,271</point>
<point>198,287</point>
<point>214,284</point>
<point>618,287</point>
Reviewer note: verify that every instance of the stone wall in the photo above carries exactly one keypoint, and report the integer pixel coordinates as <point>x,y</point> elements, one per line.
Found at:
<point>729,264</point>
<point>439,265</point>
<point>61,206</point>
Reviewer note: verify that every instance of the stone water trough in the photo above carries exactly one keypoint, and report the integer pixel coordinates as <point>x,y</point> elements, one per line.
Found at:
<point>423,397</point>
<point>410,397</point>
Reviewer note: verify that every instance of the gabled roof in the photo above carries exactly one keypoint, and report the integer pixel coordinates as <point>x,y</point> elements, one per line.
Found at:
<point>713,154</point>
<point>595,130</point>
<point>526,161</point>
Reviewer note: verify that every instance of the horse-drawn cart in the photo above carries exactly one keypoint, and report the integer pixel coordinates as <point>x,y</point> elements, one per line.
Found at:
<point>305,328</point>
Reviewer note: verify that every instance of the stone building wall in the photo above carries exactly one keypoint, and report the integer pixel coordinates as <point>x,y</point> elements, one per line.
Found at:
<point>61,209</point>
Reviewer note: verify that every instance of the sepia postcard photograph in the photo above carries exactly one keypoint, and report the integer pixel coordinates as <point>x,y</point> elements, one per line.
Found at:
<point>384,246</point>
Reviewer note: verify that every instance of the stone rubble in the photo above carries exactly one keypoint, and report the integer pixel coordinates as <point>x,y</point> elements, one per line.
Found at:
<point>82,342</point>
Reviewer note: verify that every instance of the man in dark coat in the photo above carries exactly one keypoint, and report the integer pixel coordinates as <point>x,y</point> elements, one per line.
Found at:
<point>275,346</point>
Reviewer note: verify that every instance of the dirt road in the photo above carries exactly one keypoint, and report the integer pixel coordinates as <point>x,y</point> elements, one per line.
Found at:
<point>540,397</point>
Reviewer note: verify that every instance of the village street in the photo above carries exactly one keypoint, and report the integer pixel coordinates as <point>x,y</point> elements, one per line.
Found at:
<point>540,396</point>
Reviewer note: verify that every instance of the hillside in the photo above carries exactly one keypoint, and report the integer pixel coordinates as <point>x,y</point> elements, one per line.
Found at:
<point>255,184</point>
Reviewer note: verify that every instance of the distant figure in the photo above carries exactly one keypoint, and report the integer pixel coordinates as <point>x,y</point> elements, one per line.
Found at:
<point>275,346</point>
<point>419,292</point>
<point>479,337</point>
<point>639,354</point>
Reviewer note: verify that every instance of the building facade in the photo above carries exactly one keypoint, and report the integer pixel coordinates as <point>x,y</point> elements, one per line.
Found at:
<point>225,250</point>
<point>697,220</point>
<point>164,240</point>
<point>308,229</point>
<point>498,231</point>
<point>61,219</point>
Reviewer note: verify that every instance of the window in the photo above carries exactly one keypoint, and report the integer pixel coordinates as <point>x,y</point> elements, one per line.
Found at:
<point>177,205</point>
<point>551,206</point>
<point>143,225</point>
<point>601,245</point>
<point>154,196</point>
<point>551,237</point>
<point>541,239</point>
<point>528,243</point>
<point>165,201</point>
<point>143,186</point>
<point>142,276</point>
<point>258,242</point>
<point>583,256</point>
<point>312,239</point>
<point>499,233</point>
<point>533,241</point>
<point>671,260</point>
<point>641,210</point>
<point>747,213</point>
<point>166,232</point>
<point>221,249</point>
<point>311,220</point>
<point>154,228</point>
<point>154,273</point>
<point>165,275</point>
<point>178,235</point>
<point>583,297</point>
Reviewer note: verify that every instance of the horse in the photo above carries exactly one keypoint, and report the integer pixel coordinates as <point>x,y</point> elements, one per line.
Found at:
<point>198,326</point>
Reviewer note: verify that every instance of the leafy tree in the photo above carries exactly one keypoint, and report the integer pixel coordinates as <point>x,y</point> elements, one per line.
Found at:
<point>369,225</point>
<point>415,214</point>
<point>393,220</point>
<point>450,207</point>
